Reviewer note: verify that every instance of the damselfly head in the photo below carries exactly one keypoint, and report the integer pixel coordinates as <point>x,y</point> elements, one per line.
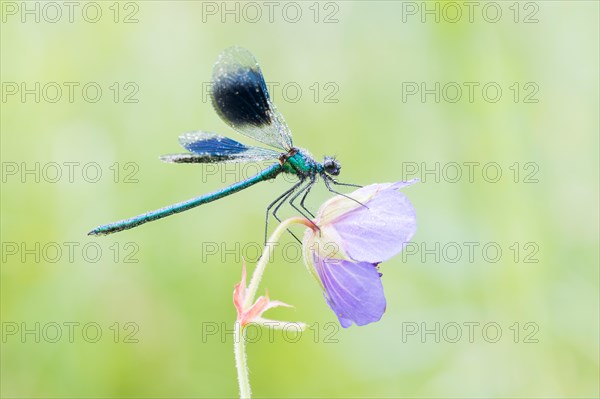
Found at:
<point>332,166</point>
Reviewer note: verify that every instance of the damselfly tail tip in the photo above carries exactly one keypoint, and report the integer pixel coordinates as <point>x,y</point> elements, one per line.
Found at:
<point>95,232</point>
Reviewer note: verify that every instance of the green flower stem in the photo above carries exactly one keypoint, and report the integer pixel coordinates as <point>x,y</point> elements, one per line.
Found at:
<point>266,257</point>
<point>239,344</point>
<point>239,348</point>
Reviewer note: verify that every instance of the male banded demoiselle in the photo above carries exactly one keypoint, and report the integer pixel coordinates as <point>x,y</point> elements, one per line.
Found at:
<point>240,97</point>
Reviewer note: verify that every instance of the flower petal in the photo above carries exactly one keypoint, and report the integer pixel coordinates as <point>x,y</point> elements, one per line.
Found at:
<point>340,205</point>
<point>353,290</point>
<point>256,310</point>
<point>379,232</point>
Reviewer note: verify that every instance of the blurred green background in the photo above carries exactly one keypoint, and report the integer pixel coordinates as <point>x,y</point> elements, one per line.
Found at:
<point>133,315</point>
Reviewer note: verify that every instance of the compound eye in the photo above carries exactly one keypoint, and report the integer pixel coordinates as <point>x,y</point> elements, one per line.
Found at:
<point>332,167</point>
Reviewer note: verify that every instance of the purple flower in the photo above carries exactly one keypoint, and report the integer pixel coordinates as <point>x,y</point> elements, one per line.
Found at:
<point>352,240</point>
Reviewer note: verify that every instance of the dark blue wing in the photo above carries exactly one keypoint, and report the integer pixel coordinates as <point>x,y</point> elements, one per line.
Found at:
<point>205,147</point>
<point>203,143</point>
<point>241,98</point>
